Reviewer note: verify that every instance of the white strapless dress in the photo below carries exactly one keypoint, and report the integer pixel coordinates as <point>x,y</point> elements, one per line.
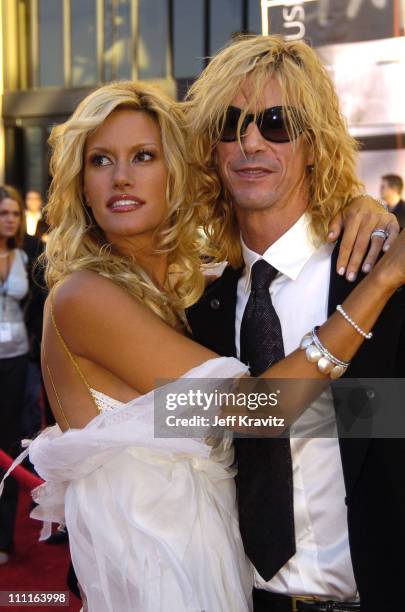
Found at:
<point>152,521</point>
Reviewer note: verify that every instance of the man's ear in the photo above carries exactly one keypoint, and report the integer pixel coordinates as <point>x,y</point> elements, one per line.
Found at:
<point>214,158</point>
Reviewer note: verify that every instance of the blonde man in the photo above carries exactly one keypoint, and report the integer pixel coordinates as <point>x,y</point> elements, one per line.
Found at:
<point>276,165</point>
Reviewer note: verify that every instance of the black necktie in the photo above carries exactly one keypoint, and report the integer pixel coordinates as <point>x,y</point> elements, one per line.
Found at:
<point>265,487</point>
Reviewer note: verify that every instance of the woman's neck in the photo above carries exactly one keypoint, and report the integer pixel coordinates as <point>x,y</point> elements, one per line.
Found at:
<point>155,266</point>
<point>3,245</point>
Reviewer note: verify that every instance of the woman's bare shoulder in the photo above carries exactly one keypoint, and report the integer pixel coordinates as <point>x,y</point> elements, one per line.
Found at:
<point>85,303</point>
<point>79,283</point>
<point>84,290</point>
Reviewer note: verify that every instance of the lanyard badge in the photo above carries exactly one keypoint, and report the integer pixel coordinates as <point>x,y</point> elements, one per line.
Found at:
<point>5,332</point>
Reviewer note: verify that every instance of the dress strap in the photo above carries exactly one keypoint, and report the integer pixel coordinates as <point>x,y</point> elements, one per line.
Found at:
<point>71,359</point>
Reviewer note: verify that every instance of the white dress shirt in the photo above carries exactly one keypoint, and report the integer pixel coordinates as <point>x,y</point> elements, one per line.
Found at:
<point>322,564</point>
<point>32,219</point>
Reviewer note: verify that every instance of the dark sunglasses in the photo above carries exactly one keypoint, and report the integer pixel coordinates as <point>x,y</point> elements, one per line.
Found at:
<point>271,124</point>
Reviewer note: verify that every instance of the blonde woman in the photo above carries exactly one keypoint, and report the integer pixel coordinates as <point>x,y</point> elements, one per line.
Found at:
<point>152,521</point>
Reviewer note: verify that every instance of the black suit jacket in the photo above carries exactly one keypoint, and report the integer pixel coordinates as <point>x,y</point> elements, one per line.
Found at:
<point>399,212</point>
<point>34,303</point>
<point>374,469</point>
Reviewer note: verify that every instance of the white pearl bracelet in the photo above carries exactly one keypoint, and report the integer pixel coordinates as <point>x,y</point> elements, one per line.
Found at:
<point>358,329</point>
<point>317,353</point>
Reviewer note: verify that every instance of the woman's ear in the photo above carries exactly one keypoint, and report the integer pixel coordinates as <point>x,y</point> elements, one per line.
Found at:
<point>310,153</point>
<point>86,199</point>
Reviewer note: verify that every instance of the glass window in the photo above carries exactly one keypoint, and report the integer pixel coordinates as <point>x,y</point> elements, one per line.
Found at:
<point>34,156</point>
<point>254,25</point>
<point>50,35</point>
<point>117,40</point>
<point>152,39</point>
<point>123,39</point>
<point>24,44</point>
<point>188,38</point>
<point>84,42</point>
<point>225,20</point>
<point>14,158</point>
<point>108,40</point>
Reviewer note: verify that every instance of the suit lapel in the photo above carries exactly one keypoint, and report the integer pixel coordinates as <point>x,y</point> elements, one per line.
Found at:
<point>212,319</point>
<point>375,358</point>
<point>353,450</point>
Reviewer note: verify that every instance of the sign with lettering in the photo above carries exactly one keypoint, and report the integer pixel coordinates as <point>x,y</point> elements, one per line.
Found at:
<point>324,22</point>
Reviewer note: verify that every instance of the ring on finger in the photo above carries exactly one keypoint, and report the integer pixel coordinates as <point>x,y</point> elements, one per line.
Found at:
<point>379,233</point>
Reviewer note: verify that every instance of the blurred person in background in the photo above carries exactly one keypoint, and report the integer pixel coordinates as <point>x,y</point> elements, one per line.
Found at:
<point>33,312</point>
<point>14,348</point>
<point>36,224</point>
<point>391,189</point>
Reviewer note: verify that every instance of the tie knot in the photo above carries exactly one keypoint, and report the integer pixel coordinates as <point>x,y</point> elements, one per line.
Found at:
<point>263,274</point>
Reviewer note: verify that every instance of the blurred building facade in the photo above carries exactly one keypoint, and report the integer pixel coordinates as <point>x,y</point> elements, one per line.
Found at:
<point>54,52</point>
<point>362,44</point>
<point>57,51</point>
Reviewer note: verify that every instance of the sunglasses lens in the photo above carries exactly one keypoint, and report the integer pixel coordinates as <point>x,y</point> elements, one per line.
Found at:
<point>230,129</point>
<point>273,126</point>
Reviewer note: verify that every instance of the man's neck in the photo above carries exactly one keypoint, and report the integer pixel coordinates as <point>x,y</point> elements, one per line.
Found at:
<point>263,228</point>
<point>393,201</point>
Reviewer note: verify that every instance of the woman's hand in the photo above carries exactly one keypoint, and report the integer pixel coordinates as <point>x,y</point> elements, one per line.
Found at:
<point>361,217</point>
<point>390,270</point>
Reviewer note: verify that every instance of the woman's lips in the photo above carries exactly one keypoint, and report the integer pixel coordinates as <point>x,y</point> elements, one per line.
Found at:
<point>125,206</point>
<point>124,203</point>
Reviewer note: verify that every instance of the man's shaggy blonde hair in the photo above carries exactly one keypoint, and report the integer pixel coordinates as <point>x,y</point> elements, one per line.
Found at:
<point>306,87</point>
<point>75,240</point>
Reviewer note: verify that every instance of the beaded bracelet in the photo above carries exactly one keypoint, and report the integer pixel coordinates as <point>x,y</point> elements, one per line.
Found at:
<point>358,329</point>
<point>317,353</point>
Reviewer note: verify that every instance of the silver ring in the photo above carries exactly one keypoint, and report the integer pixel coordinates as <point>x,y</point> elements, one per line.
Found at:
<point>379,233</point>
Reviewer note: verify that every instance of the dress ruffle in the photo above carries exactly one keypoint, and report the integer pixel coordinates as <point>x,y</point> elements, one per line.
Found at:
<point>152,522</point>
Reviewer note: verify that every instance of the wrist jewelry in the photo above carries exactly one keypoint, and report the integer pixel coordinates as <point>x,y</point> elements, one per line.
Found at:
<point>317,353</point>
<point>358,329</point>
<point>378,200</point>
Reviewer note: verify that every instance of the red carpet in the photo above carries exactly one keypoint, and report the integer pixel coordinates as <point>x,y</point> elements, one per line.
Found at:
<point>35,566</point>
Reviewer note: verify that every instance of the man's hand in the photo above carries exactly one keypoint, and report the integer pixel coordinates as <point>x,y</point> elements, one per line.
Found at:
<point>361,217</point>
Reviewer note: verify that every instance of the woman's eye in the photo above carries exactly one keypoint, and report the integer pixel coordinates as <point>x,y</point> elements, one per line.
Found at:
<point>100,160</point>
<point>143,156</point>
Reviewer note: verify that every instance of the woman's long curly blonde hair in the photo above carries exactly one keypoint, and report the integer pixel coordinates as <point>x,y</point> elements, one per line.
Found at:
<point>76,242</point>
<point>307,87</point>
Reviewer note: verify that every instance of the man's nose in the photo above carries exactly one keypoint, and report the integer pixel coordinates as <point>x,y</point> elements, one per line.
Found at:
<point>252,140</point>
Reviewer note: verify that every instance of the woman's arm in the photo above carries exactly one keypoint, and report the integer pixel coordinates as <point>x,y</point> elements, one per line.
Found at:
<point>359,219</point>
<point>103,324</point>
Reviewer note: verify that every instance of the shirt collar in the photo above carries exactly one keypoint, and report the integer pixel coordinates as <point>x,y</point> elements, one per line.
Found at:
<point>288,254</point>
